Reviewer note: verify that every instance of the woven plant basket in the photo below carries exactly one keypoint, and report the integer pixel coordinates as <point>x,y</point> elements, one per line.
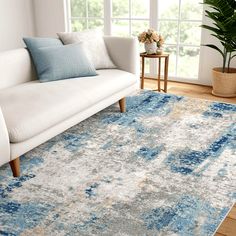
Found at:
<point>224,84</point>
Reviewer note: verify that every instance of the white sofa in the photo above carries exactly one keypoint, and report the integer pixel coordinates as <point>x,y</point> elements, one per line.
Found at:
<point>32,112</point>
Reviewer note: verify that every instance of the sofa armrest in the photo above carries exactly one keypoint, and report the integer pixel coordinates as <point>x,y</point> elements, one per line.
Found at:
<point>4,141</point>
<point>124,52</point>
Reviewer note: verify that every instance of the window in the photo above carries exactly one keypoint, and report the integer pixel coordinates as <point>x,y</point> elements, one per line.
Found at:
<point>86,14</point>
<point>177,20</point>
<point>129,16</point>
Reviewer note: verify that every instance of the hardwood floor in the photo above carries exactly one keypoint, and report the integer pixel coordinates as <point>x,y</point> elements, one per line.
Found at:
<point>228,227</point>
<point>190,90</point>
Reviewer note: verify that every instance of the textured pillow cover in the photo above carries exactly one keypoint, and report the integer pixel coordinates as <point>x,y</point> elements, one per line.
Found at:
<point>94,46</point>
<point>33,44</point>
<point>62,62</point>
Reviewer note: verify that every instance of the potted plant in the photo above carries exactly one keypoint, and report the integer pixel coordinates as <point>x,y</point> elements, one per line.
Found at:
<point>152,41</point>
<point>223,15</point>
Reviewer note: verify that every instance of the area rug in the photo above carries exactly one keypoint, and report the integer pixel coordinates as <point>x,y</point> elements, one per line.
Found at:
<point>165,167</point>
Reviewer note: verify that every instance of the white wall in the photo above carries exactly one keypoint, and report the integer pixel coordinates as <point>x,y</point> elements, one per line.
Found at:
<point>49,17</point>
<point>22,18</point>
<point>16,21</point>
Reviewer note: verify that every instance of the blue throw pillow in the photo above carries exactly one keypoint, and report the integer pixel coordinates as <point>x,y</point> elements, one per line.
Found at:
<point>62,62</point>
<point>36,43</point>
<point>33,44</point>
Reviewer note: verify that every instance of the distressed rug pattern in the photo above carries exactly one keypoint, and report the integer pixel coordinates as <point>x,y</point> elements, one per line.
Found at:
<point>165,167</point>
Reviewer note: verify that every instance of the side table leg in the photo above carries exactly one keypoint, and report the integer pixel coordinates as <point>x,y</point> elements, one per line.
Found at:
<point>166,73</point>
<point>159,75</point>
<point>142,77</point>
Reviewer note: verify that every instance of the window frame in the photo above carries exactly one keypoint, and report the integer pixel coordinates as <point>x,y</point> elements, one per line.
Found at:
<point>154,21</point>
<point>86,18</point>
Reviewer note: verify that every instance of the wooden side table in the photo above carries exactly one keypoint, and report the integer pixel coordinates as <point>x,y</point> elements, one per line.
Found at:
<point>159,57</point>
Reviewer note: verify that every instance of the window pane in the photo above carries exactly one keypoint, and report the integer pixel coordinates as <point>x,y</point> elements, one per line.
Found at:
<point>94,24</point>
<point>146,66</point>
<point>188,62</point>
<point>168,9</point>
<point>138,26</point>
<point>169,30</point>
<point>171,50</point>
<point>140,8</point>
<point>141,48</point>
<point>191,10</point>
<point>78,25</point>
<point>95,8</point>
<point>120,8</point>
<point>78,8</point>
<point>172,60</point>
<point>190,33</point>
<point>120,28</point>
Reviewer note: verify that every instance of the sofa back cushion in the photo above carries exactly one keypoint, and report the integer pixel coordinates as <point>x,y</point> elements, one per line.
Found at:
<point>94,46</point>
<point>15,68</point>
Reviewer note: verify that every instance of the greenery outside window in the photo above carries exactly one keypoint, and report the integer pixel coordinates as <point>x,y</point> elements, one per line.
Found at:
<point>86,14</point>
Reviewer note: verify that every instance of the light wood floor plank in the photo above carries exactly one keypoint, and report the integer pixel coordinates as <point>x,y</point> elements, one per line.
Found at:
<point>228,227</point>
<point>218,234</point>
<point>232,214</point>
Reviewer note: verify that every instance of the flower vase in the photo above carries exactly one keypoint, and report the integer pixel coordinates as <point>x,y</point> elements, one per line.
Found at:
<point>159,51</point>
<point>150,48</point>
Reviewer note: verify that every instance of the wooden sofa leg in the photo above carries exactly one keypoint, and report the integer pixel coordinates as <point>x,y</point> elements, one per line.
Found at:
<point>122,104</point>
<point>15,167</point>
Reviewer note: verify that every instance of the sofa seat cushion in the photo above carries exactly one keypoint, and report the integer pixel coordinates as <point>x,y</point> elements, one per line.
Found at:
<point>33,107</point>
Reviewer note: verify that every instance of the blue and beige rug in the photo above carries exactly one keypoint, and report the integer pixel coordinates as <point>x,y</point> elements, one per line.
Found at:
<point>166,167</point>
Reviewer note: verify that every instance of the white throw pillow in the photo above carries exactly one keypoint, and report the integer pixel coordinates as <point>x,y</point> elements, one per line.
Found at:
<point>94,46</point>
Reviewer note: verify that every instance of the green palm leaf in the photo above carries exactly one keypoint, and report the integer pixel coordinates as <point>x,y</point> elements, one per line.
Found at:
<point>222,6</point>
<point>214,47</point>
<point>223,27</point>
<point>215,30</point>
